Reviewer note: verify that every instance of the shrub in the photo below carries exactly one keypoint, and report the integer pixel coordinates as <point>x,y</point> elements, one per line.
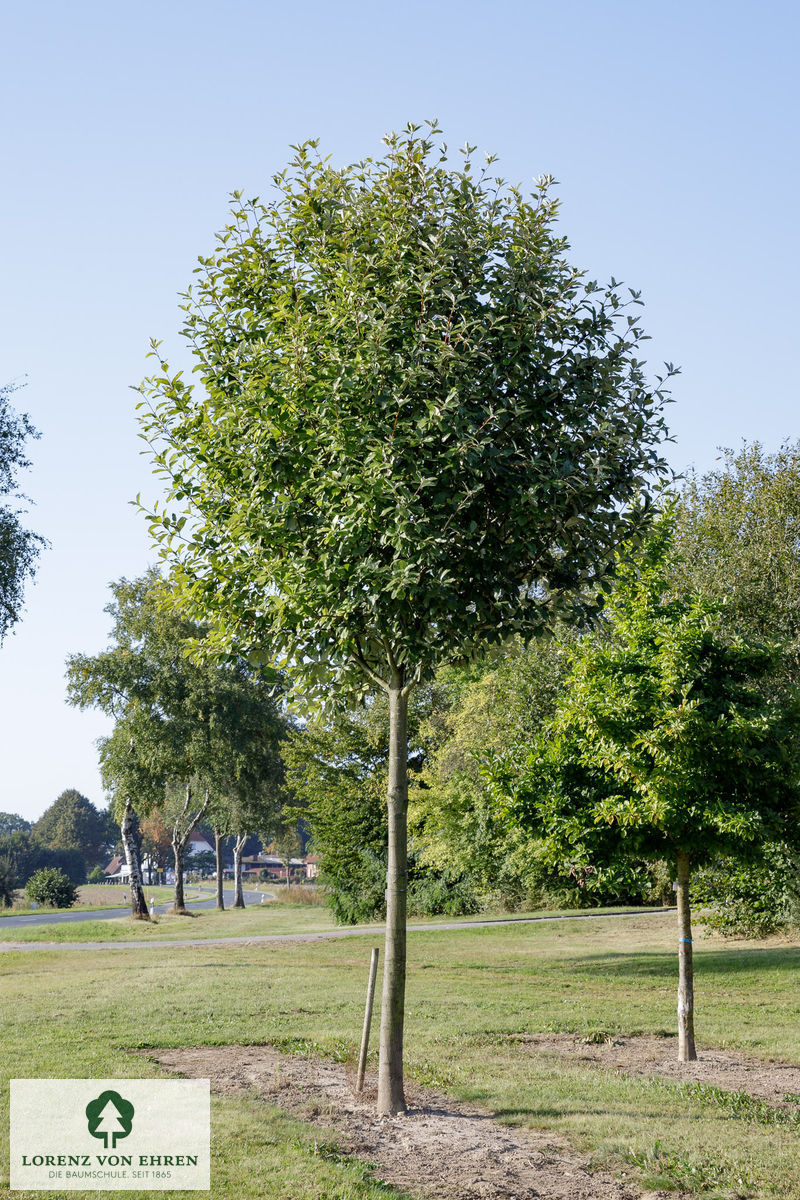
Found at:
<point>751,899</point>
<point>357,897</point>
<point>433,896</point>
<point>97,875</point>
<point>53,887</point>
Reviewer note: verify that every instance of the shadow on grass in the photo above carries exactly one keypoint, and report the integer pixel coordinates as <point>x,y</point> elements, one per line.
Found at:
<point>662,964</point>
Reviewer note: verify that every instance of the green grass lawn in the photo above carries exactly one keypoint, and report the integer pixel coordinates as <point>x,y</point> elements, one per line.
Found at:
<point>469,992</point>
<point>277,917</point>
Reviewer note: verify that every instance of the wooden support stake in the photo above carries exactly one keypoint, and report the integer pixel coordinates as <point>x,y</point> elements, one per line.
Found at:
<point>362,1058</point>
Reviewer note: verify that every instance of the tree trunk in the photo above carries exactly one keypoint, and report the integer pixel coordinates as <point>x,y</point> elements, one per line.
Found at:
<point>182,828</point>
<point>218,850</point>
<point>238,893</point>
<point>391,1098</point>
<point>179,906</point>
<point>138,901</point>
<point>686,1047</point>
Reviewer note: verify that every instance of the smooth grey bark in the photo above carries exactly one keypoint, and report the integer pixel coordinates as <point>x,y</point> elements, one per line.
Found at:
<point>686,1047</point>
<point>218,852</point>
<point>182,828</point>
<point>391,1096</point>
<point>138,901</point>
<point>238,892</point>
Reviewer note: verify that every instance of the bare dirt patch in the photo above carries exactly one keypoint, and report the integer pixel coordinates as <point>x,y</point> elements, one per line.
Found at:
<point>658,1057</point>
<point>440,1148</point>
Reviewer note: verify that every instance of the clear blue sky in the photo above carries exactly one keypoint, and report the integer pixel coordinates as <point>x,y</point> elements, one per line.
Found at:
<point>671,127</point>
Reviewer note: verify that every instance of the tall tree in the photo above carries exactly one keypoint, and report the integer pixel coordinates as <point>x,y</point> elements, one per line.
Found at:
<point>19,547</point>
<point>13,823</point>
<point>156,841</point>
<point>416,427</point>
<point>738,540</point>
<point>180,724</point>
<point>73,823</point>
<point>664,746</point>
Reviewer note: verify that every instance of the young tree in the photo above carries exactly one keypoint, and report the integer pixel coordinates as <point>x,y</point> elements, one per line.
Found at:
<point>417,428</point>
<point>238,848</point>
<point>249,777</point>
<point>219,824</point>
<point>726,519</point>
<point>665,746</point>
<point>19,547</point>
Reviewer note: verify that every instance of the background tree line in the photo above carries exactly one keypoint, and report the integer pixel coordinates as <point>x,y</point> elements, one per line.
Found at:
<point>71,835</point>
<point>735,543</point>
<point>194,739</point>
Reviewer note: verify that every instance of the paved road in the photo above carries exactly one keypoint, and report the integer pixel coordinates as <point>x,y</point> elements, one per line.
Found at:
<point>107,914</point>
<point>274,938</point>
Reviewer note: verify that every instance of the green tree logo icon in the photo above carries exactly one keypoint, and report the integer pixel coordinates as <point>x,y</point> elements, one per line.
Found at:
<point>109,1117</point>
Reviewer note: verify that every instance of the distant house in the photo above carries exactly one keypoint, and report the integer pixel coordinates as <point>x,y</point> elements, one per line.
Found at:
<point>198,845</point>
<point>312,866</point>
<point>117,870</point>
<point>275,868</point>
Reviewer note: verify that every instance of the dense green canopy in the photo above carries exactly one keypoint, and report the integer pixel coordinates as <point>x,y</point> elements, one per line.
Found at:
<point>73,823</point>
<point>416,426</point>
<point>665,739</point>
<point>417,429</point>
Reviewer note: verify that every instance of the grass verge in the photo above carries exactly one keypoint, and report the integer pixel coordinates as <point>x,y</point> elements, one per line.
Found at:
<point>257,920</point>
<point>469,992</point>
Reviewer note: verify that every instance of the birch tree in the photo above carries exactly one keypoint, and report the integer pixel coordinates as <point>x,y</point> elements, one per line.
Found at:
<point>185,730</point>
